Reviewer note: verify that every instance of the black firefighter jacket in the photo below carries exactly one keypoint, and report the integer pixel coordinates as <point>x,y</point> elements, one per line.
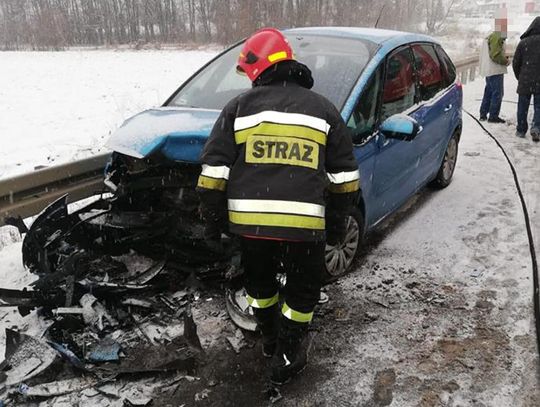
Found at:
<point>276,156</point>
<point>526,61</point>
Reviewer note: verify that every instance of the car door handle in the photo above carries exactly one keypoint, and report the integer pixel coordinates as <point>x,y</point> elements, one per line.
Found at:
<point>448,108</point>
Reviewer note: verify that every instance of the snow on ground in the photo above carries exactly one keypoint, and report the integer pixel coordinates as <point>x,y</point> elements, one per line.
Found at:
<point>524,153</point>
<point>61,106</point>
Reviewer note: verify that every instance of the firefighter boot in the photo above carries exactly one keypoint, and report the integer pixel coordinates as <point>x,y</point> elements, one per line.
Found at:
<point>292,351</point>
<point>268,324</point>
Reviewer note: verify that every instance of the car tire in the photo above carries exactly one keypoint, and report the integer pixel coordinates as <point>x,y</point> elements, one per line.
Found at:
<point>340,258</point>
<point>448,165</point>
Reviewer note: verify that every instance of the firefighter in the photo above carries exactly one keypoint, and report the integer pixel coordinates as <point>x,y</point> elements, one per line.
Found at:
<point>279,166</point>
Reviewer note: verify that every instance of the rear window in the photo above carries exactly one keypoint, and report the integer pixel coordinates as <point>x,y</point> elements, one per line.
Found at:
<point>449,69</point>
<point>336,64</point>
<point>428,70</point>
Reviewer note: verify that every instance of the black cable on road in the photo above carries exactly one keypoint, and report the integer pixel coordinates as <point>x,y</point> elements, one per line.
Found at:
<point>536,298</point>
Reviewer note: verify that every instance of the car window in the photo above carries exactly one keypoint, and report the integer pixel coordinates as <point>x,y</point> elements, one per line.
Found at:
<point>336,64</point>
<point>364,116</point>
<point>449,69</point>
<point>428,70</point>
<point>399,91</point>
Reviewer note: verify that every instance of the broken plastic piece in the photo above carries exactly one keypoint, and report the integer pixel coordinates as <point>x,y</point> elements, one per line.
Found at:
<point>67,355</point>
<point>140,401</point>
<point>106,351</point>
<point>149,274</point>
<point>137,303</point>
<point>179,354</point>
<point>57,388</point>
<point>238,309</point>
<point>94,313</point>
<point>25,357</point>
<point>68,310</point>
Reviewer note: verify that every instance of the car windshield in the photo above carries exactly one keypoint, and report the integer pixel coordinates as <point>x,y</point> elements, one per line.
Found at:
<point>336,64</point>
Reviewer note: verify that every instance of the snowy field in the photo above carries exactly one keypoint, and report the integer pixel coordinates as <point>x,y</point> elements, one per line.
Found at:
<point>62,106</point>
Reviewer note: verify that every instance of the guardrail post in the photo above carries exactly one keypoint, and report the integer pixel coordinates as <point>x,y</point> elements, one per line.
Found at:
<point>472,73</point>
<point>463,77</point>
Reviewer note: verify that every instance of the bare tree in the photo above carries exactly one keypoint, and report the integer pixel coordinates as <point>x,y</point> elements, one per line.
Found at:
<point>59,23</point>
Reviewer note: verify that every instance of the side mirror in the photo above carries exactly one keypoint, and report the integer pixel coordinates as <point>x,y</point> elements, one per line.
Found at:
<point>400,127</point>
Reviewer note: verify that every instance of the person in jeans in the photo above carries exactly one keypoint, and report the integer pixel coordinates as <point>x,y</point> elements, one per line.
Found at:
<point>526,66</point>
<point>493,66</point>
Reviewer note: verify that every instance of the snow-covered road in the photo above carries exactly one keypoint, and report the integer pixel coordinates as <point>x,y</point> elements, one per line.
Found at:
<point>439,313</point>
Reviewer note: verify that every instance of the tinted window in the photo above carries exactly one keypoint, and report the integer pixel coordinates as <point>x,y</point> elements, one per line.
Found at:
<point>399,85</point>
<point>449,70</point>
<point>364,116</point>
<point>428,69</point>
<point>336,64</point>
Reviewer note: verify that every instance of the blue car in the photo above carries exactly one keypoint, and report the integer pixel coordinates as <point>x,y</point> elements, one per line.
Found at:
<point>397,92</point>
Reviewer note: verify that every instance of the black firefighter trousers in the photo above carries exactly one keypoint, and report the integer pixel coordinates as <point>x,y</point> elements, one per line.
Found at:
<point>303,264</point>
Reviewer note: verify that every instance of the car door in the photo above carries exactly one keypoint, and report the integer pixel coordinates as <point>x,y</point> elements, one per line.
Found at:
<point>434,112</point>
<point>363,123</point>
<point>394,169</point>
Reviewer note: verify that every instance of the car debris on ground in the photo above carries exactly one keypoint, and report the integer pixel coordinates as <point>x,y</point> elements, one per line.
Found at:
<point>115,280</point>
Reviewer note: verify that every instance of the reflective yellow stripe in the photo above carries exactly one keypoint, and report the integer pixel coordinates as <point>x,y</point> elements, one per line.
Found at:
<point>284,130</point>
<point>277,56</point>
<point>276,206</point>
<point>212,183</point>
<point>215,171</point>
<point>276,219</point>
<point>297,316</point>
<point>344,188</point>
<point>345,176</point>
<point>271,116</point>
<point>262,302</point>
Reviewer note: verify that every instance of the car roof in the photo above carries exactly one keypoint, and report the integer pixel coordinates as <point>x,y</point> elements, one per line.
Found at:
<point>387,39</point>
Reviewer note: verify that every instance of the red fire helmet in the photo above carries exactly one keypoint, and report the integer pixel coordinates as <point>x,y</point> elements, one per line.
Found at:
<point>262,50</point>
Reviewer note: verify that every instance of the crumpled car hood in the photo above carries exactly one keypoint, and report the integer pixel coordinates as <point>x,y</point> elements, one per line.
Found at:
<point>177,133</point>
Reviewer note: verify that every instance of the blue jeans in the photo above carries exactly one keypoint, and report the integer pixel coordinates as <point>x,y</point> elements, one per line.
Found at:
<point>523,110</point>
<point>493,94</point>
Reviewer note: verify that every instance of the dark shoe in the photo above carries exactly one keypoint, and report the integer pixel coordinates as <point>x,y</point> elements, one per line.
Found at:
<point>483,118</point>
<point>268,324</point>
<point>520,134</point>
<point>496,120</point>
<point>292,351</point>
<point>535,133</point>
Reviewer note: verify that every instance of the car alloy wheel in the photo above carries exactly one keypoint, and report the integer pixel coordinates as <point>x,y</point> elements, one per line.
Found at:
<point>450,158</point>
<point>339,258</point>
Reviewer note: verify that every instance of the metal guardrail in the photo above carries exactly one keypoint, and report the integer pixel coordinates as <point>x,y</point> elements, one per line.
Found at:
<point>467,68</point>
<point>28,194</point>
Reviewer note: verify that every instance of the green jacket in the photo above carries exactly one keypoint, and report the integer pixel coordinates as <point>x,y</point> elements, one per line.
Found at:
<point>496,48</point>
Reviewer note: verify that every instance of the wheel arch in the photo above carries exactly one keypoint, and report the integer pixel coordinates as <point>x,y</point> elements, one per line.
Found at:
<point>360,204</point>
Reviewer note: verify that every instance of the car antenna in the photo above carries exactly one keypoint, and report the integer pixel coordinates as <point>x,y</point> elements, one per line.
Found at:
<point>380,15</point>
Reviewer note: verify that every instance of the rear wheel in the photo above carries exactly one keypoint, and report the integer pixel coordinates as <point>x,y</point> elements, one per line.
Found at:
<point>339,258</point>
<point>446,171</point>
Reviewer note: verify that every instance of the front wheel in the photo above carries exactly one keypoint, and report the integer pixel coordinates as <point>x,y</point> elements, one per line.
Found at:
<point>446,171</point>
<point>339,258</point>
